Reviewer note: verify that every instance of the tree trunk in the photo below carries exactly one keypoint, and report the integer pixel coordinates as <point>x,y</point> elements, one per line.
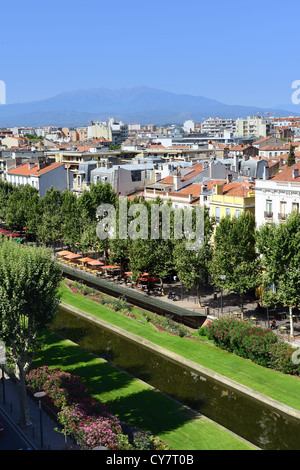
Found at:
<point>24,408</point>
<point>242,306</point>
<point>198,294</point>
<point>291,321</point>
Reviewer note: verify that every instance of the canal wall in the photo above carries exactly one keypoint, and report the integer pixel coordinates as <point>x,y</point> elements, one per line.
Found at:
<point>197,368</point>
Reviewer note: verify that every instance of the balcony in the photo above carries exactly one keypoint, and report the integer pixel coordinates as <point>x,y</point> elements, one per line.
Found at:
<point>268,215</point>
<point>282,216</point>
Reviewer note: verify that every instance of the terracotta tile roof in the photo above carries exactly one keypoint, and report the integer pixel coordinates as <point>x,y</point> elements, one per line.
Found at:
<point>286,174</point>
<point>156,147</point>
<point>196,189</point>
<point>275,147</point>
<point>264,139</point>
<point>167,180</point>
<point>196,169</point>
<point>25,170</point>
<point>238,188</point>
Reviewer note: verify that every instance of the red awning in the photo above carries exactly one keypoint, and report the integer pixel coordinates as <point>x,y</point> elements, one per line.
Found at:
<point>110,267</point>
<point>72,256</point>
<point>63,253</point>
<point>95,262</point>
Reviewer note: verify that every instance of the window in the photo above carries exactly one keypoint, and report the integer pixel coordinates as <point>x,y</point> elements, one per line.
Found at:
<point>227,211</point>
<point>269,207</point>
<point>217,214</point>
<point>283,207</point>
<point>237,213</point>
<point>295,206</point>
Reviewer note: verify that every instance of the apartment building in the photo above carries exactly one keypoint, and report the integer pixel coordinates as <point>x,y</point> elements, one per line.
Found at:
<point>278,196</point>
<point>214,126</point>
<point>41,175</point>
<point>253,126</point>
<point>116,132</point>
<point>233,198</point>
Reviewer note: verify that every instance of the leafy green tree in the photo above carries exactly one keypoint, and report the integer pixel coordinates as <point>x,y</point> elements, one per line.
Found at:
<point>291,159</point>
<point>235,264</point>
<point>279,246</point>
<point>50,228</point>
<point>6,190</point>
<point>20,207</point>
<point>28,301</point>
<point>71,227</point>
<point>192,266</point>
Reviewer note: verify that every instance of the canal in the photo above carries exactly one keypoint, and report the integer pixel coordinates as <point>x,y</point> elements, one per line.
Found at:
<point>264,426</point>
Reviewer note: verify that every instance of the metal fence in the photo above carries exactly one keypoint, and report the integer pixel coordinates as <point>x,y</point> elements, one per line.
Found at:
<point>143,300</point>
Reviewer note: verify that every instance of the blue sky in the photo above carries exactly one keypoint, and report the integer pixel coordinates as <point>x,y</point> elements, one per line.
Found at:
<point>236,52</point>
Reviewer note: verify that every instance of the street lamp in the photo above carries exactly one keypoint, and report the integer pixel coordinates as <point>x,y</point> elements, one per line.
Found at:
<point>40,395</point>
<point>223,278</point>
<point>3,383</point>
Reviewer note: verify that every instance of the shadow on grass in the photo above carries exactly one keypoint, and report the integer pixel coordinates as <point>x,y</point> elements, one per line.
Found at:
<point>128,398</point>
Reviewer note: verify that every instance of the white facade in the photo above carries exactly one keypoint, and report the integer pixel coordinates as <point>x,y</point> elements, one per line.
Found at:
<point>213,126</point>
<point>189,126</point>
<point>275,200</point>
<point>256,126</point>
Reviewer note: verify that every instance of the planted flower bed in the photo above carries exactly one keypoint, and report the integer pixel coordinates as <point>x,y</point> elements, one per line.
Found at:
<point>118,305</point>
<point>89,422</point>
<point>260,345</point>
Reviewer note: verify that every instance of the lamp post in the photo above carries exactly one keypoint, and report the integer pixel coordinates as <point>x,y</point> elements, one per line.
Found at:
<point>223,278</point>
<point>3,383</point>
<point>40,395</point>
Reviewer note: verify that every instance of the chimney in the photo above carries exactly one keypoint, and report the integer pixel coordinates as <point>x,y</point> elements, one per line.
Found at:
<point>157,176</point>
<point>229,178</point>
<point>177,182</point>
<point>219,189</point>
<point>295,173</point>
<point>266,174</point>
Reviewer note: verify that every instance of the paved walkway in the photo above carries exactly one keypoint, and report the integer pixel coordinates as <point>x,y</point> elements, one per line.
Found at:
<point>51,439</point>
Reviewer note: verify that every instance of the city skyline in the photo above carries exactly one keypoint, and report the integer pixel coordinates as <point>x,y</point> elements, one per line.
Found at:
<point>224,52</point>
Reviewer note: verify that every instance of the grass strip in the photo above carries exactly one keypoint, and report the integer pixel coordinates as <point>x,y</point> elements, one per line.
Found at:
<point>135,402</point>
<point>281,387</point>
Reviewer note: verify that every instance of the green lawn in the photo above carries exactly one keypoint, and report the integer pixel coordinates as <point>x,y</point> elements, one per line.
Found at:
<point>281,387</point>
<point>135,402</point>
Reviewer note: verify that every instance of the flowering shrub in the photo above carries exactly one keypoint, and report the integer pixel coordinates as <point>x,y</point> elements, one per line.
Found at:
<point>260,345</point>
<point>281,358</point>
<point>89,422</point>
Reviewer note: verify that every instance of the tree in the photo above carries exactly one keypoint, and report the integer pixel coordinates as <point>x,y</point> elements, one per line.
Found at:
<point>22,207</point>
<point>291,159</point>
<point>51,221</point>
<point>192,266</point>
<point>71,228</point>
<point>6,190</point>
<point>279,246</point>
<point>235,264</point>
<point>28,301</point>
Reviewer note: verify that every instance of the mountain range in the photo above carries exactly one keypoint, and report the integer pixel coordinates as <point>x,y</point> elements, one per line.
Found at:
<point>139,104</point>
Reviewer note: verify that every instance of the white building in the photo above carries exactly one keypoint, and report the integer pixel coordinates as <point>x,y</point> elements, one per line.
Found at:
<point>40,176</point>
<point>277,197</point>
<point>189,126</point>
<point>215,126</point>
<point>253,126</point>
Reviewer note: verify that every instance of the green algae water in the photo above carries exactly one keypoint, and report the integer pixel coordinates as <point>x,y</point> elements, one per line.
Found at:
<point>260,424</point>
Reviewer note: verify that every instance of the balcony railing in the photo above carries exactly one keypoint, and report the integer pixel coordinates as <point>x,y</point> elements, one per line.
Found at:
<point>282,216</point>
<point>268,215</point>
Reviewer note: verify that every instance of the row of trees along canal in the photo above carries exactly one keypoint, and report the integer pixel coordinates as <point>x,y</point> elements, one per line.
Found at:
<point>235,256</point>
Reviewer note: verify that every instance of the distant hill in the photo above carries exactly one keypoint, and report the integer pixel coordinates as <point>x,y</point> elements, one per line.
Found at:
<point>139,104</point>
